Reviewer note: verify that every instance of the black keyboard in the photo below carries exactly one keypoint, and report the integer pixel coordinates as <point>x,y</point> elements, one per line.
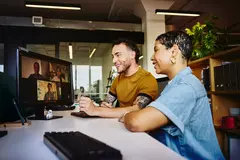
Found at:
<point>77,146</point>
<point>3,133</point>
<point>60,107</point>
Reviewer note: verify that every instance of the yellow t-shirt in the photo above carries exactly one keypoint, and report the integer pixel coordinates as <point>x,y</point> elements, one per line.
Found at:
<point>126,89</point>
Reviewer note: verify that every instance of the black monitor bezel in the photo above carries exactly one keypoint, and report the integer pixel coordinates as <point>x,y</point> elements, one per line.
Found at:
<point>24,52</point>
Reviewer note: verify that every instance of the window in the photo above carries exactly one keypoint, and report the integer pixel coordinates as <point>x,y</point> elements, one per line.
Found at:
<point>81,78</point>
<point>1,68</point>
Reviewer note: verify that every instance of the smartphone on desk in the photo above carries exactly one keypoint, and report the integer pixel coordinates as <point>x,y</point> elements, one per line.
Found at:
<point>82,115</point>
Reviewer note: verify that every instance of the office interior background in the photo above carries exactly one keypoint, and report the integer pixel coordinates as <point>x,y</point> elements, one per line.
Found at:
<point>115,15</point>
<point>91,30</point>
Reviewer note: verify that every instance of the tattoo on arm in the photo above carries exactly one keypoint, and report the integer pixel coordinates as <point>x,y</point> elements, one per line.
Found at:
<point>110,98</point>
<point>142,101</point>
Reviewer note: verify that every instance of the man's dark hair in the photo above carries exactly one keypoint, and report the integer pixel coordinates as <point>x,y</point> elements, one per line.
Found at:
<point>37,64</point>
<point>180,38</point>
<point>49,84</point>
<point>130,44</point>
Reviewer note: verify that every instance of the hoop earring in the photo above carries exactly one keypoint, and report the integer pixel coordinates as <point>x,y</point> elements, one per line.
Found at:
<point>173,60</point>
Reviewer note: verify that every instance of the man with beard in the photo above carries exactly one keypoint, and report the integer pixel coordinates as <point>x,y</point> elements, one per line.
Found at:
<point>134,88</point>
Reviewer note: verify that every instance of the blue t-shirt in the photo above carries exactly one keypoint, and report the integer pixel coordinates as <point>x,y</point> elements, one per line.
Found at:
<point>191,132</point>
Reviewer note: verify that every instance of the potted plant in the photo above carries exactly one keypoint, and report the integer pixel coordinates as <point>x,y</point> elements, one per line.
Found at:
<point>204,38</point>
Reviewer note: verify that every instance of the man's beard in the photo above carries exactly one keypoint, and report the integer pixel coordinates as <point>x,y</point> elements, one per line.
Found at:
<point>125,68</point>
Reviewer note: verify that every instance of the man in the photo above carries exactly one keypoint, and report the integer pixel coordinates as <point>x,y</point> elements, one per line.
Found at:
<point>49,96</point>
<point>180,118</point>
<point>134,87</point>
<point>36,74</point>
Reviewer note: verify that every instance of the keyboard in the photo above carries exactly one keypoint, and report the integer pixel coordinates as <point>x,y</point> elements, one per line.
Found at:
<point>60,107</point>
<point>82,115</point>
<point>76,146</point>
<point>3,133</point>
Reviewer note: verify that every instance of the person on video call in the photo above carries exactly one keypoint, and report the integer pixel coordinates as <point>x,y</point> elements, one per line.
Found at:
<point>59,76</point>
<point>180,117</point>
<point>49,95</point>
<point>134,88</point>
<point>36,74</point>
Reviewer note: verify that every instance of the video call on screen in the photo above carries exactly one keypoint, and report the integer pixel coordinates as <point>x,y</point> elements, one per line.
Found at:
<point>44,81</point>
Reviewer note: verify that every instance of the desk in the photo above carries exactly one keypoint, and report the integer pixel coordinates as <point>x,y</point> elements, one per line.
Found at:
<point>26,143</point>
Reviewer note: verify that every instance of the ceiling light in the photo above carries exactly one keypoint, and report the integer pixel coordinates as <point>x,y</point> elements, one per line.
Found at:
<point>34,4</point>
<point>70,51</point>
<point>177,13</point>
<point>93,51</point>
<point>140,57</point>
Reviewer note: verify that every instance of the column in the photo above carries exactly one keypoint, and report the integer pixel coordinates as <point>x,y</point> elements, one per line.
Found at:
<point>152,25</point>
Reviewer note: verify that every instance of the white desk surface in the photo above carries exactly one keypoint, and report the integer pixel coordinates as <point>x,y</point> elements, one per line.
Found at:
<point>26,143</point>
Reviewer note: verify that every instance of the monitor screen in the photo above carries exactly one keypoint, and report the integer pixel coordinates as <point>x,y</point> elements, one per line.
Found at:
<point>43,79</point>
<point>162,82</point>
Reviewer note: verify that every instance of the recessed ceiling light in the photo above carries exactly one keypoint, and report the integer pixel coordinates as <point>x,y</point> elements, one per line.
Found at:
<point>177,13</point>
<point>34,4</point>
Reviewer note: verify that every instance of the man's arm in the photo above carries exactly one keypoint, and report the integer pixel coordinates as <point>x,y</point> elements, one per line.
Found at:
<point>142,101</point>
<point>108,101</point>
<point>146,119</point>
<point>110,98</point>
<point>87,106</point>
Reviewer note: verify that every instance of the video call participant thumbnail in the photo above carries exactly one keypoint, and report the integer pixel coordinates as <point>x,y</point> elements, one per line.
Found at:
<point>49,95</point>
<point>36,74</point>
<point>59,72</point>
<point>47,91</point>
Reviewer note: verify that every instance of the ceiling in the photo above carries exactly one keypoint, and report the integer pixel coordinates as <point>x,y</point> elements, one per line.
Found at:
<point>92,10</point>
<point>227,11</point>
<point>82,50</point>
<point>122,11</point>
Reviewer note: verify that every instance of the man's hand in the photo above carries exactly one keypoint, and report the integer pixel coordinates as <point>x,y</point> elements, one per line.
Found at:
<point>106,105</point>
<point>86,105</point>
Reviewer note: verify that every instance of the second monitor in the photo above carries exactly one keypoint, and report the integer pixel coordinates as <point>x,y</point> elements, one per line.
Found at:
<point>43,81</point>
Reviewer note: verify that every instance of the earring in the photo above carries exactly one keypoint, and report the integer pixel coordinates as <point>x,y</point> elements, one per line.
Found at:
<point>173,60</point>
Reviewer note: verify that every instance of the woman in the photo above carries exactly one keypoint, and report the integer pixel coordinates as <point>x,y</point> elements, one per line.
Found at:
<point>180,118</point>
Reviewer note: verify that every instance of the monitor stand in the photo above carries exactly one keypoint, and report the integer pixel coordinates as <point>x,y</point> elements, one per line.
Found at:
<point>39,114</point>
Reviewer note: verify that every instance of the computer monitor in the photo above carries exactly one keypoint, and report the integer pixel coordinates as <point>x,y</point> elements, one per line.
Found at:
<point>42,81</point>
<point>162,82</point>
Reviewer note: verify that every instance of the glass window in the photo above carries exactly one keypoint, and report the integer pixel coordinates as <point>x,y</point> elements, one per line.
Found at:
<point>82,77</point>
<point>1,67</point>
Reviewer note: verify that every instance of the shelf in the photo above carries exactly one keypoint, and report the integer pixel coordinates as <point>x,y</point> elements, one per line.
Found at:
<point>235,132</point>
<point>203,62</point>
<point>225,92</point>
<point>227,55</point>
